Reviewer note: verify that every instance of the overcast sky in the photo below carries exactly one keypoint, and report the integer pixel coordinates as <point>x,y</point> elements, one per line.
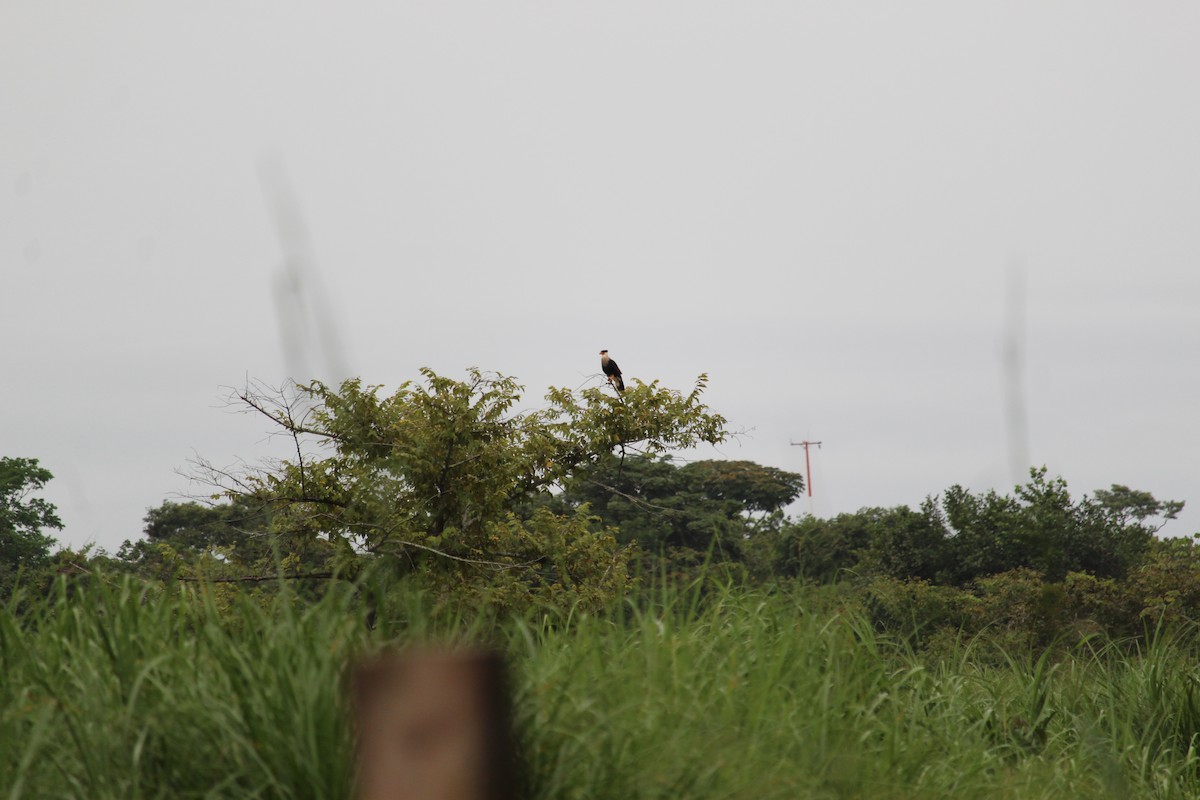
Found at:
<point>819,205</point>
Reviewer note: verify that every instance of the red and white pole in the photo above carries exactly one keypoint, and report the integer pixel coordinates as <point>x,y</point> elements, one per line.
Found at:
<point>807,464</point>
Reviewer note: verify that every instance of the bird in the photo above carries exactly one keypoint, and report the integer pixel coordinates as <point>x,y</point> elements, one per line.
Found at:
<point>612,371</point>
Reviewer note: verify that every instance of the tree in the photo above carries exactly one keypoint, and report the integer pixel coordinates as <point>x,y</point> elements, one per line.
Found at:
<point>961,536</point>
<point>682,512</point>
<point>219,540</point>
<point>23,544</point>
<point>1130,507</point>
<point>909,545</point>
<point>753,487</point>
<point>438,477</point>
<point>895,542</point>
<point>1042,528</point>
<point>824,550</point>
<point>658,502</point>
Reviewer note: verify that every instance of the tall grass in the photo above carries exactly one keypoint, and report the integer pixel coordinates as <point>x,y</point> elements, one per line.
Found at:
<point>118,690</point>
<point>128,692</point>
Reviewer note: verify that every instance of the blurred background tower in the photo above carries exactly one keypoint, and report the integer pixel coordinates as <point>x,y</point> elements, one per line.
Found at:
<point>1016,417</point>
<point>308,329</point>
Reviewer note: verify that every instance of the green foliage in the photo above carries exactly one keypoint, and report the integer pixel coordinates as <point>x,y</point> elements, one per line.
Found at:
<point>915,609</point>
<point>681,516</point>
<point>1103,606</point>
<point>910,544</point>
<point>1127,506</point>
<point>1035,569</point>
<point>120,689</point>
<point>892,542</point>
<point>200,528</point>
<point>824,550</point>
<point>438,478</point>
<point>217,540</point>
<point>1043,529</point>
<point>962,536</point>
<point>134,691</point>
<point>1166,587</point>
<point>1027,612</point>
<point>751,486</point>
<point>23,543</point>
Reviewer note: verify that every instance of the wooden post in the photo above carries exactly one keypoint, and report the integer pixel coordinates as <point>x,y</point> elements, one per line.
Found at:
<point>434,725</point>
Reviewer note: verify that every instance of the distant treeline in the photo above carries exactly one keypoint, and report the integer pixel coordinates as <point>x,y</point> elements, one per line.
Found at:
<point>443,483</point>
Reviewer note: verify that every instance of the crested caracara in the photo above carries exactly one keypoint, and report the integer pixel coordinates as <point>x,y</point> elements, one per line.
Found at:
<point>612,371</point>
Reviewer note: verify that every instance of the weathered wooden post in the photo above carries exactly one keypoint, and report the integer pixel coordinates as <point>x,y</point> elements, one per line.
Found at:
<point>434,725</point>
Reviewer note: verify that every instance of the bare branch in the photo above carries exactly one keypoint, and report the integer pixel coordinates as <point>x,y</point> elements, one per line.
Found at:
<point>259,578</point>
<point>498,565</point>
<point>635,500</point>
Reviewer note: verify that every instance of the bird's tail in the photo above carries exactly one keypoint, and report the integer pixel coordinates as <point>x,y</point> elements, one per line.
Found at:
<point>620,384</point>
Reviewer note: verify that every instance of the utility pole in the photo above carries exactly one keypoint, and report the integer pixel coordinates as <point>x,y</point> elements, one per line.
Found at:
<point>807,466</point>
